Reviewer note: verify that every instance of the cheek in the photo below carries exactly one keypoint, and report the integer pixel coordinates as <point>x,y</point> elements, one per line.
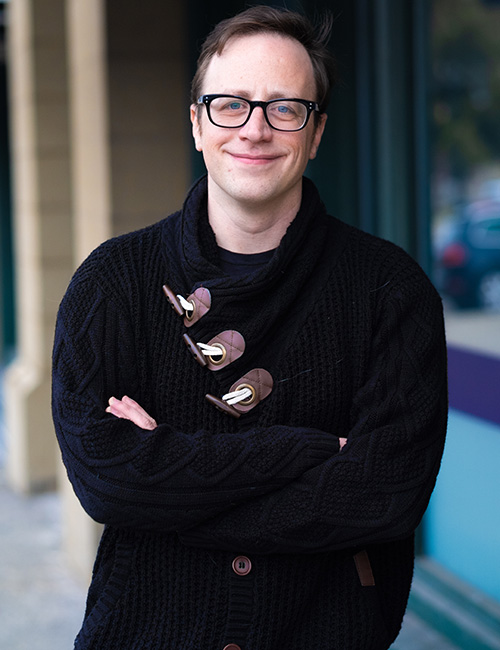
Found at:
<point>304,149</point>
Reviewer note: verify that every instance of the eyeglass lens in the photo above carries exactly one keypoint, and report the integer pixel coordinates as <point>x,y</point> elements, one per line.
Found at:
<point>285,115</point>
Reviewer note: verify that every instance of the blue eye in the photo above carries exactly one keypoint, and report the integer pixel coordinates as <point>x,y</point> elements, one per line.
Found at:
<point>286,110</point>
<point>234,106</point>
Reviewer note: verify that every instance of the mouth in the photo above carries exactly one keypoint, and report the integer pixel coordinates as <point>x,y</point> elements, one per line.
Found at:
<point>254,159</point>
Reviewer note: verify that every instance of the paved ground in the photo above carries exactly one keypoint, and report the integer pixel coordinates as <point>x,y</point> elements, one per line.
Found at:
<point>41,604</point>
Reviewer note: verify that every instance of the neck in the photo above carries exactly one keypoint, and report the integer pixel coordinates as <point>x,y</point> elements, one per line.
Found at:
<point>248,228</point>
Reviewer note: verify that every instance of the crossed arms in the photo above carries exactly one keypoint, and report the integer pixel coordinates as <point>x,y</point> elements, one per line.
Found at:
<point>264,486</point>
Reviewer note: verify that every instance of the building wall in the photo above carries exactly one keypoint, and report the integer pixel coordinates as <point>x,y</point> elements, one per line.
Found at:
<point>149,127</point>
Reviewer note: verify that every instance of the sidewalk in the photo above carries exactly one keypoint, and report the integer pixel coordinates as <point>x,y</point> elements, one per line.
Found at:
<point>41,604</point>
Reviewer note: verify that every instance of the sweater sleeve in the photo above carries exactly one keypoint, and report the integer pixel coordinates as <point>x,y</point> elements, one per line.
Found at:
<point>378,487</point>
<point>106,457</point>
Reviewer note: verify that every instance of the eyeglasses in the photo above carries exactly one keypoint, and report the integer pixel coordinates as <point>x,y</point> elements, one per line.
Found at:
<point>233,112</point>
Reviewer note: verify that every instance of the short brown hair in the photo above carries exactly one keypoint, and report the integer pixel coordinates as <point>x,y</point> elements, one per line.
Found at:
<point>262,19</point>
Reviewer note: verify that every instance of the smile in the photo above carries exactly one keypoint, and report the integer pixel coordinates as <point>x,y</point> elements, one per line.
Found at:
<point>254,159</point>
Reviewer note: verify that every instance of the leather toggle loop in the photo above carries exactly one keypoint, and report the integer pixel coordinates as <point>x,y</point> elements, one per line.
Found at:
<point>261,382</point>
<point>193,308</point>
<point>245,393</point>
<point>250,394</point>
<point>194,349</point>
<point>201,301</point>
<point>232,345</point>
<point>219,352</point>
<point>216,353</point>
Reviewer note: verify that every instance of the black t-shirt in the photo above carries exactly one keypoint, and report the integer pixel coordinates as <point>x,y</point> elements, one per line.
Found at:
<point>238,264</point>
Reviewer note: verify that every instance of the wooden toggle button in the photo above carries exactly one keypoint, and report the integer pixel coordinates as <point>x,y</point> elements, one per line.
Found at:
<point>173,300</point>
<point>222,405</point>
<point>194,349</point>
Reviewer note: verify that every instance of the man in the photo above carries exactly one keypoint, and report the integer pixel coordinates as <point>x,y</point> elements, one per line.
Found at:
<point>250,394</point>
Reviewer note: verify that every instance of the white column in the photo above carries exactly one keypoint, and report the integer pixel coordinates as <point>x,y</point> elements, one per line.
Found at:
<point>42,229</point>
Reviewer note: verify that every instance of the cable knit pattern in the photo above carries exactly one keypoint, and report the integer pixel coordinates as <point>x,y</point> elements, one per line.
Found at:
<point>351,331</point>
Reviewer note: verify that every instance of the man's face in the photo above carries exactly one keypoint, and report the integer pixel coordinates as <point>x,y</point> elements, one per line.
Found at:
<point>256,166</point>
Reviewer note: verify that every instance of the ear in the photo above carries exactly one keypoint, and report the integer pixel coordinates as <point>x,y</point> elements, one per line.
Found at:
<point>318,134</point>
<point>196,127</point>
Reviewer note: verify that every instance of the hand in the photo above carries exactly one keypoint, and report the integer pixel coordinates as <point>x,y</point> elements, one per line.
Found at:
<point>342,442</point>
<point>128,409</point>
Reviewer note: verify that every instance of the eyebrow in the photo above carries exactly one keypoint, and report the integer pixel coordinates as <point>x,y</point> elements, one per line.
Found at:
<point>246,95</point>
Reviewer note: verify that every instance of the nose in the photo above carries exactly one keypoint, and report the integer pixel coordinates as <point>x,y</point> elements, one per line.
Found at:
<point>257,127</point>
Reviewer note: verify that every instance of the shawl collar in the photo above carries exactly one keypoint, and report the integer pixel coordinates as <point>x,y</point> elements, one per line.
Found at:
<point>264,304</point>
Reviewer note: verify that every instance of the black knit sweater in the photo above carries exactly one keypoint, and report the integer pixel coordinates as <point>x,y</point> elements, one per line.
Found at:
<point>351,331</point>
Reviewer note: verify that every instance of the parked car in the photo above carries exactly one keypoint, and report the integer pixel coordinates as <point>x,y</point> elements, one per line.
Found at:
<point>468,264</point>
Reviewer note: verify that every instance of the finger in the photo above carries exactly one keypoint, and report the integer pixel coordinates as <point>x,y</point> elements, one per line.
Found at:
<point>134,406</point>
<point>118,408</point>
<point>132,402</point>
<point>126,406</point>
<point>115,410</point>
<point>129,409</point>
<point>148,423</point>
<point>142,413</point>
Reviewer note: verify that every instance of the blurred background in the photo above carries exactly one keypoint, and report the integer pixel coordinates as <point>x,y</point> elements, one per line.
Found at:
<point>95,140</point>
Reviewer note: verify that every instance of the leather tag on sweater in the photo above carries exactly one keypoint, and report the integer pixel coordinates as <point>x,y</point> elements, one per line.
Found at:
<point>260,382</point>
<point>364,569</point>
<point>232,345</point>
<point>201,301</point>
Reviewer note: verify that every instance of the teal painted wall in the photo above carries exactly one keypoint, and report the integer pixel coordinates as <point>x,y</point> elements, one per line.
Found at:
<point>462,530</point>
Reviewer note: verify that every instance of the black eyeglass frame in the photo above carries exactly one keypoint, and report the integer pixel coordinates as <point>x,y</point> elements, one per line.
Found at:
<point>206,100</point>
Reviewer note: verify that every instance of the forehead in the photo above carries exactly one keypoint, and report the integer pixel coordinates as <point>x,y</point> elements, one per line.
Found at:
<point>262,66</point>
